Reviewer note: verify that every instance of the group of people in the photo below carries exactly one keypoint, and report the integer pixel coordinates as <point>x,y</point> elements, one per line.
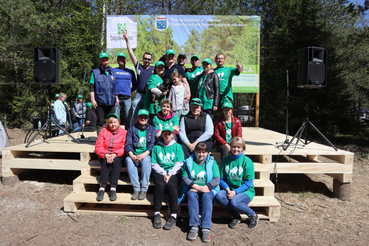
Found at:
<point>80,115</point>
<point>170,127</point>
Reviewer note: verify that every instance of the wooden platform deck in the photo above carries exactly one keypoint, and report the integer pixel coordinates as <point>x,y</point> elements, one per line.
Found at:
<point>61,153</point>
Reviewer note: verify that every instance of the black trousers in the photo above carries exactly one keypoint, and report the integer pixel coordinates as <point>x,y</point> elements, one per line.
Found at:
<point>223,151</point>
<point>116,167</point>
<point>102,112</point>
<point>172,187</point>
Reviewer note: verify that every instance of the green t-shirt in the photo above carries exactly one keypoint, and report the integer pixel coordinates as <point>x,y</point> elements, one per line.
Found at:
<point>236,172</point>
<point>154,81</point>
<point>225,81</point>
<point>159,122</point>
<point>167,156</point>
<point>92,79</point>
<point>206,103</point>
<point>198,173</point>
<point>191,78</point>
<point>141,146</point>
<point>228,132</point>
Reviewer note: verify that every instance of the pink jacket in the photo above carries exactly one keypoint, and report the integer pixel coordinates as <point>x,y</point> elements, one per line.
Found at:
<point>109,142</point>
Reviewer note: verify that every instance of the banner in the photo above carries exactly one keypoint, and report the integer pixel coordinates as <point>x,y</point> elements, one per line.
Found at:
<point>116,26</point>
<point>237,37</point>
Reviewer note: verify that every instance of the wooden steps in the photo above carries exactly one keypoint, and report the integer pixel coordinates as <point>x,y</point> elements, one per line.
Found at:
<point>83,197</point>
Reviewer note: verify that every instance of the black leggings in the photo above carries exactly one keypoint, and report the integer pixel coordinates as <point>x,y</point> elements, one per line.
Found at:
<point>172,187</point>
<point>116,167</point>
<point>102,112</point>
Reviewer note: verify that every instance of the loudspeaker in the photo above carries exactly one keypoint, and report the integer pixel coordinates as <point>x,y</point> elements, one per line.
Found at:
<point>312,67</point>
<point>47,65</point>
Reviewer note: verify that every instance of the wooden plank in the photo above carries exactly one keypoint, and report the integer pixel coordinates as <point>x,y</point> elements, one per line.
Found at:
<point>324,168</point>
<point>344,159</point>
<point>343,177</point>
<point>36,163</point>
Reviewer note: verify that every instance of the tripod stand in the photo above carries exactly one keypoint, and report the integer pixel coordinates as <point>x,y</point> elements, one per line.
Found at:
<point>48,125</point>
<point>303,129</point>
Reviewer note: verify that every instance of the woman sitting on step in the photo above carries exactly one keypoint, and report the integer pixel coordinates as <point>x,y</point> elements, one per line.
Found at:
<point>201,184</point>
<point>140,141</point>
<point>236,179</point>
<point>110,150</point>
<point>166,161</point>
<point>226,127</point>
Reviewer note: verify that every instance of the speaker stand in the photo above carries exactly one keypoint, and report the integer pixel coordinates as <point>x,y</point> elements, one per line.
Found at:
<point>306,123</point>
<point>48,125</point>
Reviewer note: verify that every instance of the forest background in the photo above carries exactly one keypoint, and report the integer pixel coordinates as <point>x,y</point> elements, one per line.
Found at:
<point>76,28</point>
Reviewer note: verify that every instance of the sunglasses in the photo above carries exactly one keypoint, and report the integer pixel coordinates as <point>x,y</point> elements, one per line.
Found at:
<point>147,59</point>
<point>142,117</point>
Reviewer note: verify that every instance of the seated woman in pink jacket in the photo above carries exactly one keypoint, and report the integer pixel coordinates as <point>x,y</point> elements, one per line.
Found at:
<point>110,149</point>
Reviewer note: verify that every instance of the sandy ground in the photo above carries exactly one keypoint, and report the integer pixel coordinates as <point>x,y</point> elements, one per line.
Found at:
<point>31,213</point>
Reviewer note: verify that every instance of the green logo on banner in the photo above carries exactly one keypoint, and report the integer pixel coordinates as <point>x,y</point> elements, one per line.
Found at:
<point>122,27</point>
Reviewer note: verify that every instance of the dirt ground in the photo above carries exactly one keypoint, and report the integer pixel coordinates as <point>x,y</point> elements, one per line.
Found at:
<point>31,213</point>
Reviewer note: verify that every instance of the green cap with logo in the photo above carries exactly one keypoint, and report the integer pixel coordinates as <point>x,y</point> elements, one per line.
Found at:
<point>167,128</point>
<point>196,101</point>
<point>171,52</point>
<point>80,96</point>
<point>195,56</point>
<point>207,60</point>
<point>104,55</point>
<point>112,115</point>
<point>158,63</point>
<point>89,105</point>
<point>227,105</point>
<point>121,54</point>
<point>143,112</point>
<point>57,95</point>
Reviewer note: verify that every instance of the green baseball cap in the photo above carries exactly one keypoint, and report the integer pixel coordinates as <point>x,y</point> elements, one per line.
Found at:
<point>158,63</point>
<point>121,54</point>
<point>167,128</point>
<point>196,101</point>
<point>195,56</point>
<point>103,55</point>
<point>80,96</point>
<point>170,51</point>
<point>207,60</point>
<point>143,112</point>
<point>227,105</point>
<point>112,115</point>
<point>57,95</point>
<point>89,105</point>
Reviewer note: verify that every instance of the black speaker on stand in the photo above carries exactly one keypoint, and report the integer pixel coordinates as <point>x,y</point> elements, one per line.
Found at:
<point>312,74</point>
<point>46,71</point>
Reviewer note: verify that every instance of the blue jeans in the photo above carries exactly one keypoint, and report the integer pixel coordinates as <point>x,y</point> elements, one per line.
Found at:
<point>137,104</point>
<point>238,204</point>
<point>145,173</point>
<point>79,123</point>
<point>126,105</point>
<point>210,112</point>
<point>206,208</point>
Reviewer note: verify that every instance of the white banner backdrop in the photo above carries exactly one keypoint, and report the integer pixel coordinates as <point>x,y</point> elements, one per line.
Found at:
<point>116,25</point>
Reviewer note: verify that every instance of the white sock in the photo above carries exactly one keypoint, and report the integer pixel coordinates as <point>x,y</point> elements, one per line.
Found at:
<point>102,188</point>
<point>112,188</point>
<point>174,215</point>
<point>155,213</point>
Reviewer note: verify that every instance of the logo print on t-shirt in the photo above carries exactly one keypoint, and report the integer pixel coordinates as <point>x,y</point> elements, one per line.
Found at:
<point>201,175</point>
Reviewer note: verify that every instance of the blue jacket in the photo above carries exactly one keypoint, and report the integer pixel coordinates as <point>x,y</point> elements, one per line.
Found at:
<point>209,174</point>
<point>105,87</point>
<point>133,139</point>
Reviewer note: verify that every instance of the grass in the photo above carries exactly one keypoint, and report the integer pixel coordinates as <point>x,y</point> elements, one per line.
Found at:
<point>121,219</point>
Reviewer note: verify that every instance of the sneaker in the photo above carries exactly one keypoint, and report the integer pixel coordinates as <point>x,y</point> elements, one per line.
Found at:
<point>134,195</point>
<point>193,233</point>
<point>113,195</point>
<point>157,221</point>
<point>253,221</point>
<point>205,238</point>
<point>142,195</point>
<point>100,196</point>
<point>171,223</point>
<point>234,223</point>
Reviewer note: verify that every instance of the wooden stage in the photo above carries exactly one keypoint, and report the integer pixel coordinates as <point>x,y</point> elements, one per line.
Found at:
<point>62,153</point>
